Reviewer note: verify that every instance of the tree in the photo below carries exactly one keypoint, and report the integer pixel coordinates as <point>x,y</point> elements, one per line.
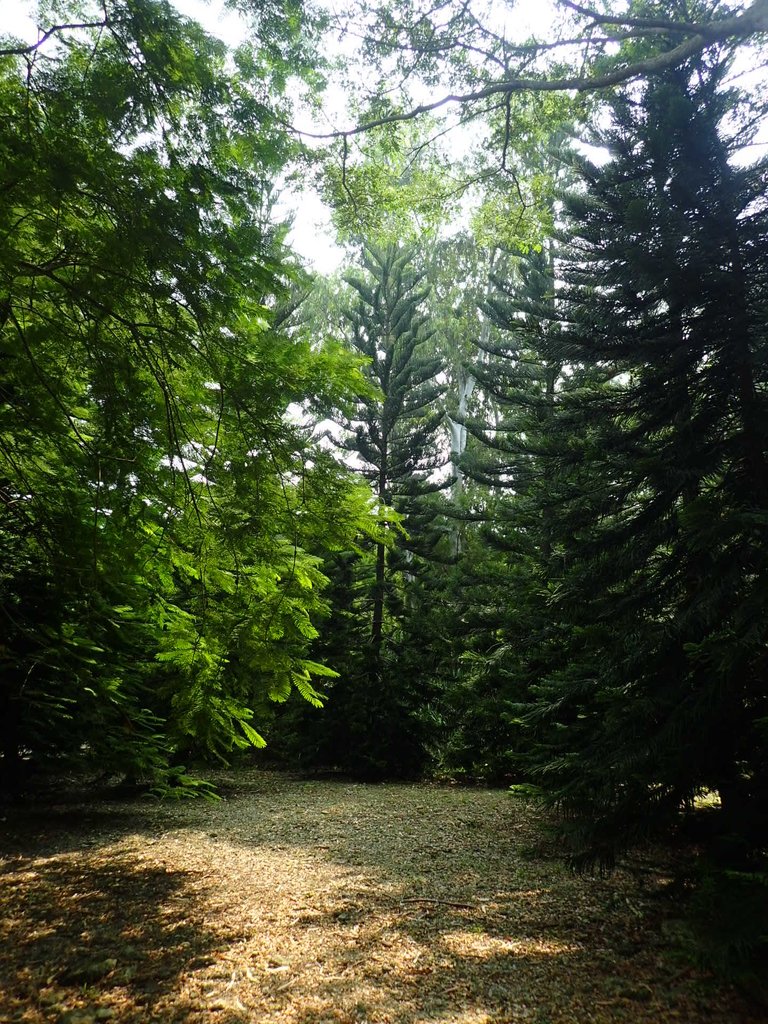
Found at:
<point>389,186</point>
<point>656,689</point>
<point>507,554</point>
<point>159,507</point>
<point>477,50</point>
<point>392,436</point>
<point>395,437</point>
<point>484,68</point>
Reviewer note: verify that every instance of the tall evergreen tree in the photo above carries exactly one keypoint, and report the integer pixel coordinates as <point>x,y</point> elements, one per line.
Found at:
<point>657,689</point>
<point>395,436</point>
<point>501,606</point>
<point>392,433</point>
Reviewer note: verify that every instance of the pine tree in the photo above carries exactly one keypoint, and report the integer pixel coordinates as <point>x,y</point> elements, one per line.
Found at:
<point>394,438</point>
<point>509,558</point>
<point>656,690</point>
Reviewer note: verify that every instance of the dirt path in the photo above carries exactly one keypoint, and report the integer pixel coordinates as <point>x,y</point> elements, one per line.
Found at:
<point>327,903</point>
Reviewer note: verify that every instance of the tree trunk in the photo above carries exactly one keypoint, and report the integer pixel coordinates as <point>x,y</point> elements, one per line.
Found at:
<point>377,625</point>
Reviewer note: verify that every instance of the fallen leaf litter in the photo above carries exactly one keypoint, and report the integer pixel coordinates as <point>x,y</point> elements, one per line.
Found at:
<point>328,902</point>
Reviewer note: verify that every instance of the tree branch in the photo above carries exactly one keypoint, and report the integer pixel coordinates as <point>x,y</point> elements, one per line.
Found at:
<point>20,51</point>
<point>750,22</point>
<point>665,24</point>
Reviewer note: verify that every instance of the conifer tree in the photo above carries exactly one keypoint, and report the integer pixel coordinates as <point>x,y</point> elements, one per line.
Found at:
<point>503,573</point>
<point>394,437</point>
<point>656,689</point>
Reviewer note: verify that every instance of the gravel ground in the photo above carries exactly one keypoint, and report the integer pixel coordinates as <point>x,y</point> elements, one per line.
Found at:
<point>328,902</point>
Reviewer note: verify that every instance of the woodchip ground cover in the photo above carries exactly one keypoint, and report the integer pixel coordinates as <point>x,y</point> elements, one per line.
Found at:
<point>326,902</point>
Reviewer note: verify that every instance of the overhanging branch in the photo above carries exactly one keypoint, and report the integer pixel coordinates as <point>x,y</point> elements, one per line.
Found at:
<point>24,49</point>
<point>750,22</point>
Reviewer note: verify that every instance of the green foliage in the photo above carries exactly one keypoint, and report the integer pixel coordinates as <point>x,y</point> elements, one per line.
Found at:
<point>532,132</point>
<point>390,186</point>
<point>159,504</point>
<point>638,495</point>
<point>728,915</point>
<point>371,724</point>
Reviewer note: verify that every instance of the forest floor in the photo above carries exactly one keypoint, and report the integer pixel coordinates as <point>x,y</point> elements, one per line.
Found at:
<point>328,902</point>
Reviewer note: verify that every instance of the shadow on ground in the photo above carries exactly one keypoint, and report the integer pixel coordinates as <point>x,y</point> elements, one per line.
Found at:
<point>320,902</point>
<point>85,939</point>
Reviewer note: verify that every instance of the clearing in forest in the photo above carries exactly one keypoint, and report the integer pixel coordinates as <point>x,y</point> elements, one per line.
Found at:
<point>328,902</point>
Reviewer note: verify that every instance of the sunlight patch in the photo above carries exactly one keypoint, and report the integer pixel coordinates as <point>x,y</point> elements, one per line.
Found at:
<point>484,946</point>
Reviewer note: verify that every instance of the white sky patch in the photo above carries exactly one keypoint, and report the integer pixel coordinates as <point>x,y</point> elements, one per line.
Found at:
<point>215,19</point>
<point>18,20</point>
<point>311,234</point>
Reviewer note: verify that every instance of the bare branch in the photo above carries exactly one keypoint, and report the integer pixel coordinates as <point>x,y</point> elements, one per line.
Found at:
<point>665,24</point>
<point>20,51</point>
<point>748,23</point>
